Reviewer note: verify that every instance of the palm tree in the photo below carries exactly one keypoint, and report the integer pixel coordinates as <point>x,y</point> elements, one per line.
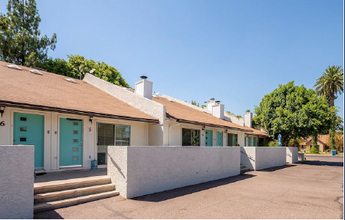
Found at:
<point>330,84</point>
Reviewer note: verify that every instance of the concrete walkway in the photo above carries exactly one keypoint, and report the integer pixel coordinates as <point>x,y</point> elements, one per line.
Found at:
<point>69,174</point>
<point>313,189</point>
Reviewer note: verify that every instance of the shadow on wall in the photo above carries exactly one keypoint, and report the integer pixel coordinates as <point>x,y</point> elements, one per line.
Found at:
<point>117,166</point>
<point>323,163</point>
<point>272,169</point>
<point>52,214</point>
<point>170,194</point>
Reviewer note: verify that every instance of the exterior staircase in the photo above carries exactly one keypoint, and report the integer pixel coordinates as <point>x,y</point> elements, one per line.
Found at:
<point>63,193</point>
<point>244,169</point>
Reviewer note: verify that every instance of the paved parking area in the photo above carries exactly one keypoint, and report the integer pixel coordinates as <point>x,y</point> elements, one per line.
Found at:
<point>313,189</point>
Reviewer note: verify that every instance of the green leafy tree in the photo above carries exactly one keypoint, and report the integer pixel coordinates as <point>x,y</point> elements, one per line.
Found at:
<point>195,103</point>
<point>330,84</point>
<point>20,37</point>
<point>294,112</point>
<point>58,66</point>
<point>77,66</point>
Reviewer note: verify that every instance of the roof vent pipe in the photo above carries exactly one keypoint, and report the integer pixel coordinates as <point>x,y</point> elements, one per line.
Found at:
<point>143,77</point>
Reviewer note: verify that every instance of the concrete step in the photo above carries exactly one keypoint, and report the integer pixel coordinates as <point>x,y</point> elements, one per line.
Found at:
<point>60,185</point>
<point>70,193</point>
<point>73,201</point>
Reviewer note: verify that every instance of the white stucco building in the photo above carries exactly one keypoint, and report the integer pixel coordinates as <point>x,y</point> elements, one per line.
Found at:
<point>71,122</point>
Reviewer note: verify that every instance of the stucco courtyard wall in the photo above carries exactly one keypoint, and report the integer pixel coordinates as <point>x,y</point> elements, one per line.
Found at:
<point>259,158</point>
<point>138,171</point>
<point>292,154</point>
<point>16,181</point>
<point>248,157</point>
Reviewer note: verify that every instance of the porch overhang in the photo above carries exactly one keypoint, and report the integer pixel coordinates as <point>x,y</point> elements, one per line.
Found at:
<point>203,124</point>
<point>73,111</point>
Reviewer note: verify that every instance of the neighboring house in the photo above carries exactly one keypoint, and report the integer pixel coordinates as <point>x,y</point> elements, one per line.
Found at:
<point>322,143</point>
<point>71,122</point>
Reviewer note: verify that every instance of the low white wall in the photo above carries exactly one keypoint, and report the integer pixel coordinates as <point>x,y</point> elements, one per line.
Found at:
<point>138,171</point>
<point>248,157</point>
<point>259,158</point>
<point>16,181</point>
<point>267,157</point>
<point>292,154</point>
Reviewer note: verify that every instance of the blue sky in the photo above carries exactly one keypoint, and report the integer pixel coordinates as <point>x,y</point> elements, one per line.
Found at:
<point>234,51</point>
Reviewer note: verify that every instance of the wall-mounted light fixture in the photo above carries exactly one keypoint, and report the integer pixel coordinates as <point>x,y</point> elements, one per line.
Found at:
<point>2,110</point>
<point>203,128</point>
<point>226,131</point>
<point>90,119</point>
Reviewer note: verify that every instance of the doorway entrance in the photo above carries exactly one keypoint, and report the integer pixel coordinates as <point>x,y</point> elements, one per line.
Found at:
<point>71,142</point>
<point>28,129</point>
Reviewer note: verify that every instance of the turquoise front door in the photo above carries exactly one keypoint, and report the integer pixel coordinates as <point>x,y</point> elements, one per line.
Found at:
<point>254,141</point>
<point>71,142</point>
<point>219,138</point>
<point>28,129</point>
<point>249,141</point>
<point>208,138</point>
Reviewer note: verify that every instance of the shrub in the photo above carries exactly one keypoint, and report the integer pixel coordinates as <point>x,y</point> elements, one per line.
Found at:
<point>273,144</point>
<point>314,150</point>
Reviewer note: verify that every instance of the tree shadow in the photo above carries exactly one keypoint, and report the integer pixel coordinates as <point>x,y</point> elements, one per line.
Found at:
<point>272,169</point>
<point>170,194</point>
<point>51,214</point>
<point>323,163</point>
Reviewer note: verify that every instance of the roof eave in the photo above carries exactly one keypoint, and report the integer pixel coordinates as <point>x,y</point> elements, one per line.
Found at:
<point>202,123</point>
<point>77,112</point>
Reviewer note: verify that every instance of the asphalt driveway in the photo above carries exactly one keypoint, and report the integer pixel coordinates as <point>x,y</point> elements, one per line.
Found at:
<point>313,189</point>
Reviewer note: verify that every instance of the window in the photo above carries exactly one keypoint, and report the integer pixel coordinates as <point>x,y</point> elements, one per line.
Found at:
<point>232,139</point>
<point>190,137</point>
<point>122,135</point>
<point>111,135</point>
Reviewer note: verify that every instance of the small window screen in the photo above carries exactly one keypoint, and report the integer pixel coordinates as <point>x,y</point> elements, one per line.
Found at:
<point>23,118</point>
<point>75,140</point>
<point>22,128</point>
<point>75,132</point>
<point>23,139</point>
<point>75,123</point>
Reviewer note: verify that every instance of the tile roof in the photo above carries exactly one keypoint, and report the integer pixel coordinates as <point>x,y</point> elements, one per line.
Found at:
<point>257,132</point>
<point>53,92</point>
<point>186,114</point>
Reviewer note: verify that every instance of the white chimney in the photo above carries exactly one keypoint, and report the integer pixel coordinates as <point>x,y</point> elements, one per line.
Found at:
<point>144,87</point>
<point>248,118</point>
<point>209,104</point>
<point>218,110</point>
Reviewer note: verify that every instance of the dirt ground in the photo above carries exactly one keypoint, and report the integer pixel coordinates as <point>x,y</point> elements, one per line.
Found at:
<point>313,189</point>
